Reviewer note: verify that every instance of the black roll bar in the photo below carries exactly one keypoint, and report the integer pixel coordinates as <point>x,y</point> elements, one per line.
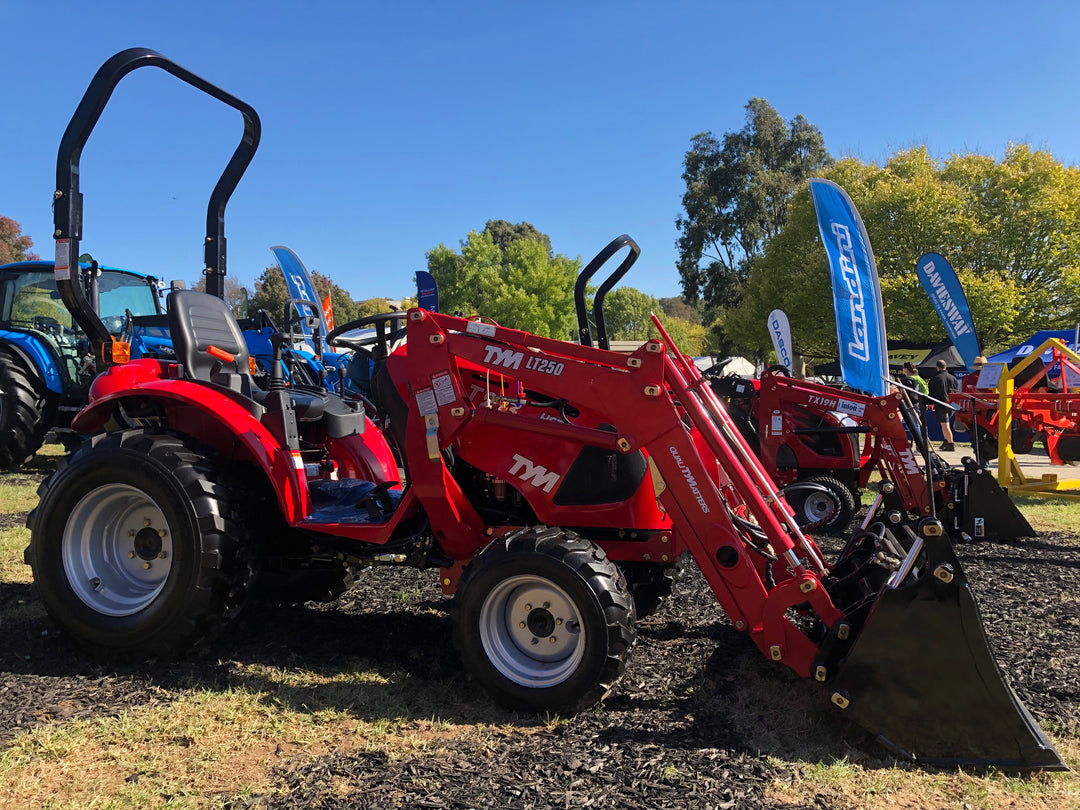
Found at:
<point>67,199</point>
<point>616,244</point>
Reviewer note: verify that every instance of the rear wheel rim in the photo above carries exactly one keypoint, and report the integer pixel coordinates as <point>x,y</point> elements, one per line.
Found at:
<point>532,631</point>
<point>117,549</point>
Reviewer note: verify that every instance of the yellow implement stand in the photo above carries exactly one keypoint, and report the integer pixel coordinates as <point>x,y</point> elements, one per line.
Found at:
<point>1010,474</point>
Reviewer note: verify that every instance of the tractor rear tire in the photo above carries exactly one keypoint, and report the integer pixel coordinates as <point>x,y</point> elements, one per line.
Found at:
<point>827,513</point>
<point>134,549</point>
<point>23,401</point>
<point>544,621</point>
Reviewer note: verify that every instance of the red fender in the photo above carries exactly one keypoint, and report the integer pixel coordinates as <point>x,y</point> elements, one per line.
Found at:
<point>196,410</point>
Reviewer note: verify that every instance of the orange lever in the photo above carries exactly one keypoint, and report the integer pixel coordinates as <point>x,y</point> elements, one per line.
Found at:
<point>220,354</point>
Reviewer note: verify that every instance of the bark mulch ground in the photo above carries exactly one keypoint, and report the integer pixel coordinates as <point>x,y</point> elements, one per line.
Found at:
<point>700,720</point>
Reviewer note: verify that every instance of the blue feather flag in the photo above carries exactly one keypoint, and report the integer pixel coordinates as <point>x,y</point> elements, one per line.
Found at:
<point>860,319</point>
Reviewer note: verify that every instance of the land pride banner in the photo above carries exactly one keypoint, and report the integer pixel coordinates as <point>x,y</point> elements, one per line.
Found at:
<point>860,320</point>
<point>941,284</point>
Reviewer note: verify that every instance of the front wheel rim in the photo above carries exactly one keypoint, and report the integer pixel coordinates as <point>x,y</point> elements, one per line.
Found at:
<point>117,549</point>
<point>532,631</point>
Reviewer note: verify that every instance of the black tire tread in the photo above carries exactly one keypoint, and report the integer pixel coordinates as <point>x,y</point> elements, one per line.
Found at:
<point>840,522</point>
<point>604,577</point>
<point>22,414</point>
<point>226,572</point>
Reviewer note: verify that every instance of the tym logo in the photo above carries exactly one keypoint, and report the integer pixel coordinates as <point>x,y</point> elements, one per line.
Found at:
<point>908,462</point>
<point>506,358</point>
<point>538,476</point>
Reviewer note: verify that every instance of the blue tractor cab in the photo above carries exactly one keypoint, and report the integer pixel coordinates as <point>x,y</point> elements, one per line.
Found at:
<point>45,361</point>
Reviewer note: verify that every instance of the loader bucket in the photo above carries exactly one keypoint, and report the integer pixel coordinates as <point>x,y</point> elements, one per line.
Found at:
<point>986,510</point>
<point>921,676</point>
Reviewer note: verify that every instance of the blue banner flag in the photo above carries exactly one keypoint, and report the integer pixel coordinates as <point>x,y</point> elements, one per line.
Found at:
<point>300,286</point>
<point>941,284</point>
<point>427,291</point>
<point>860,319</point>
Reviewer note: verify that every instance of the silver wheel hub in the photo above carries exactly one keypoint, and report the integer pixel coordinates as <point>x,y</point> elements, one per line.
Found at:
<point>532,632</point>
<point>819,506</point>
<point>117,550</point>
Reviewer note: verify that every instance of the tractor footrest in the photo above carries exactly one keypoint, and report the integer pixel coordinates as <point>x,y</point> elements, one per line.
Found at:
<point>351,500</point>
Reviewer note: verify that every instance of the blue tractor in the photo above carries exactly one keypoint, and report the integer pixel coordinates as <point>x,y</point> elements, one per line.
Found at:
<point>45,362</point>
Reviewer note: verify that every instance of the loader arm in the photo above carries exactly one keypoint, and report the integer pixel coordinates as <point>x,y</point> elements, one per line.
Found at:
<point>891,452</point>
<point>769,578</point>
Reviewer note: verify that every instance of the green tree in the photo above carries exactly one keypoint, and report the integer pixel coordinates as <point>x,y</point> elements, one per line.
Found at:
<point>628,316</point>
<point>737,191</point>
<point>14,245</point>
<point>519,283</point>
<point>504,233</point>
<point>1010,228</point>
<point>271,295</point>
<point>679,308</point>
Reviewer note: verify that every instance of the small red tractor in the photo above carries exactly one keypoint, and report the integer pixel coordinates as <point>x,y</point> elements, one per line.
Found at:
<point>1040,406</point>
<point>807,431</point>
<point>544,480</point>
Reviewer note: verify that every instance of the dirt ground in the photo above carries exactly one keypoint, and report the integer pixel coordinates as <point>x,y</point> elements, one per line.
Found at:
<point>700,720</point>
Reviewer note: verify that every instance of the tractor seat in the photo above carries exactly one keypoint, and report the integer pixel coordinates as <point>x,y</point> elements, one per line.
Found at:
<point>211,348</point>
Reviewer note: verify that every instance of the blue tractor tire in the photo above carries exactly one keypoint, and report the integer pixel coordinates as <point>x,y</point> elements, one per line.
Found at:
<point>23,404</point>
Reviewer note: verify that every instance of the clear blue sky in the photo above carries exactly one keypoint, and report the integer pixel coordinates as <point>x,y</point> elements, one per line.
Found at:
<point>389,128</point>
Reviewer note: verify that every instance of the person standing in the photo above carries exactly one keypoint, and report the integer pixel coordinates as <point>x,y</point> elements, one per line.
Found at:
<point>941,385</point>
<point>913,380</point>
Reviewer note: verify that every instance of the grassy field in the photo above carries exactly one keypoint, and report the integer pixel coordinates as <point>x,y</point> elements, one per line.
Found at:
<point>215,746</point>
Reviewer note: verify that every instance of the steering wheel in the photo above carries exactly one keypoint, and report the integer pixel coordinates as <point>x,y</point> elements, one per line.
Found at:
<point>380,338</point>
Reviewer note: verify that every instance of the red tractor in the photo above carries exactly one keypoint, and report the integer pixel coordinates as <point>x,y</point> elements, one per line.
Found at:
<point>532,474</point>
<point>1042,406</point>
<point>804,431</point>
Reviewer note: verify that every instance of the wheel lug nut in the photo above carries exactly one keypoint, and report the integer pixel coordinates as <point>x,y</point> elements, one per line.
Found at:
<point>161,533</point>
<point>558,622</point>
<point>146,565</point>
<point>528,606</point>
<point>521,625</point>
<point>146,522</point>
<point>163,555</point>
<point>131,555</point>
<point>535,640</point>
<point>551,639</point>
<point>547,605</point>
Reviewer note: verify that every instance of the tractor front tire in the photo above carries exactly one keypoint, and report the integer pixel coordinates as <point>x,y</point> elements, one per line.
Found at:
<point>23,400</point>
<point>544,621</point>
<point>829,513</point>
<point>134,549</point>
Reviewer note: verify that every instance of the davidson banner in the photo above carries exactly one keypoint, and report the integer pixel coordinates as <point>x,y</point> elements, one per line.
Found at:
<point>941,284</point>
<point>860,320</point>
